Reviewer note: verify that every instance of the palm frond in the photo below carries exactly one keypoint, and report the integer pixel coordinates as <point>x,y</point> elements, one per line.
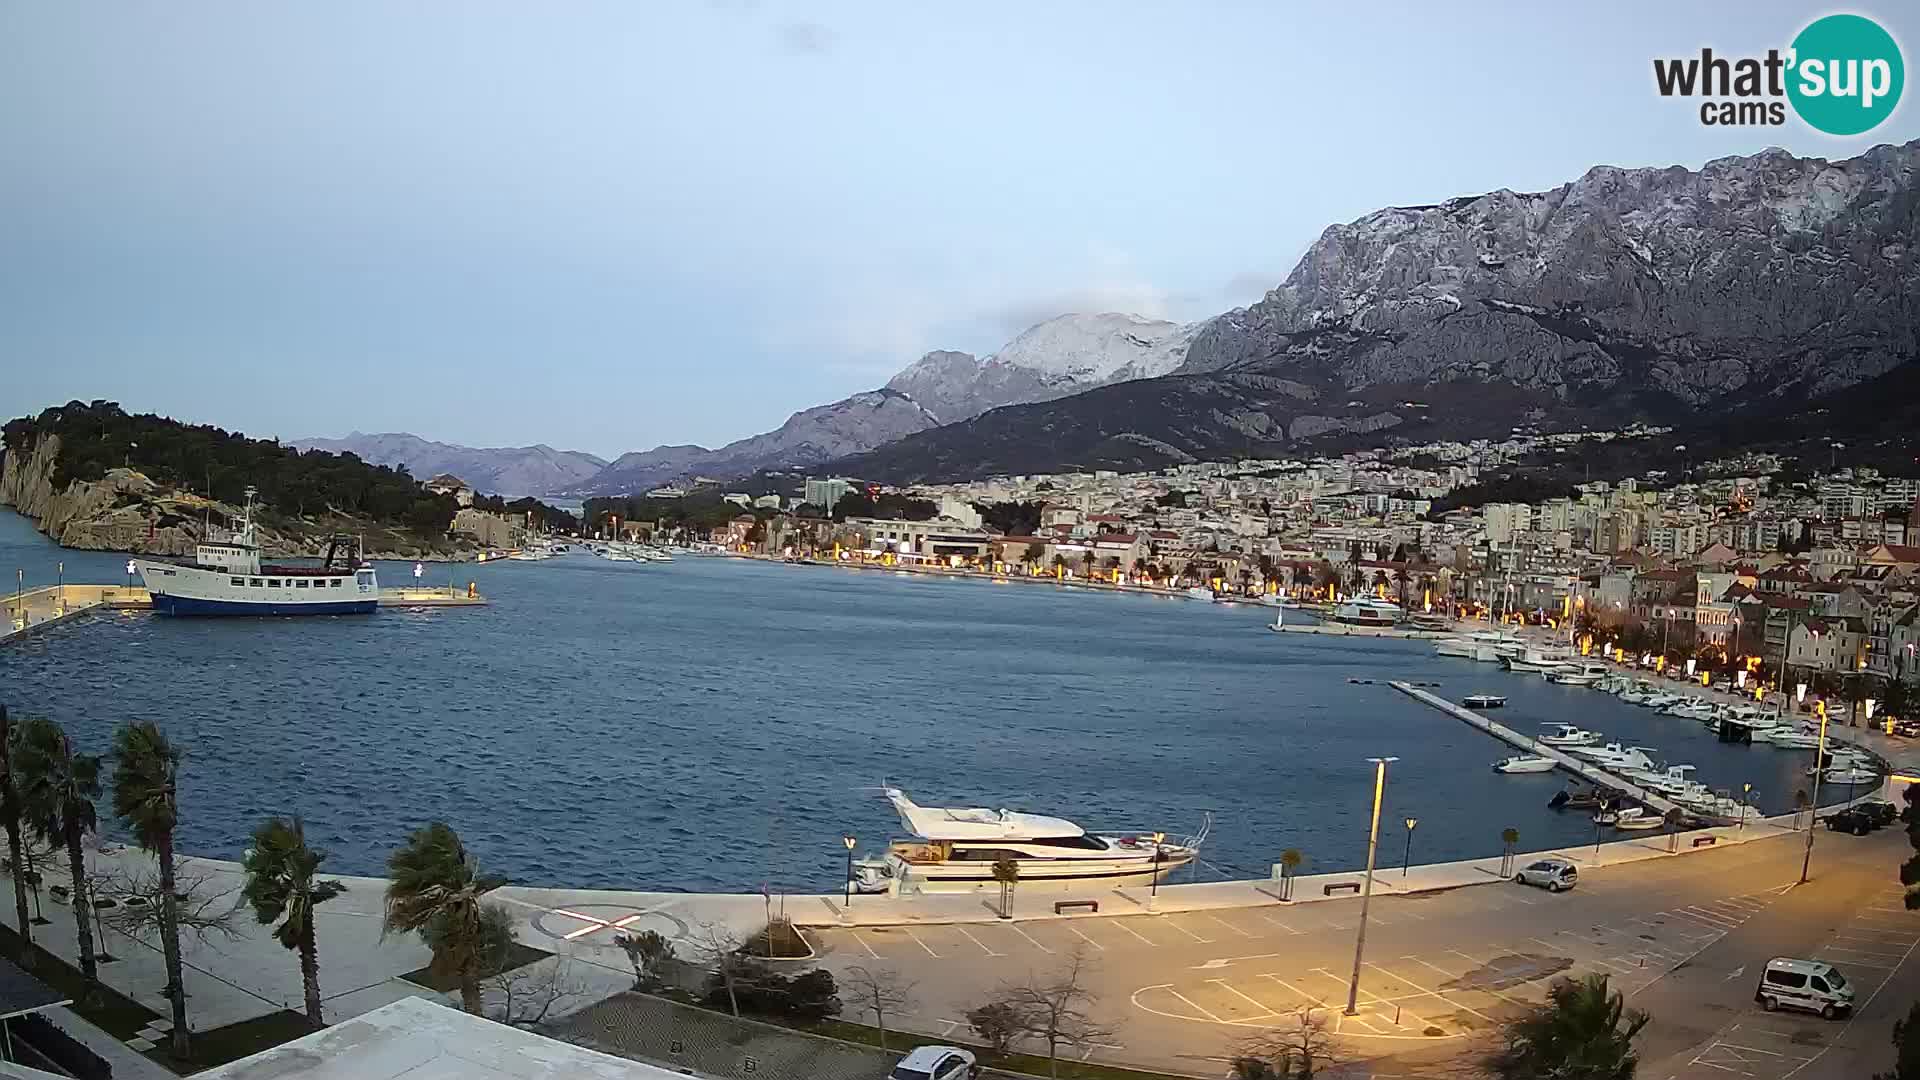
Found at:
<point>146,768</point>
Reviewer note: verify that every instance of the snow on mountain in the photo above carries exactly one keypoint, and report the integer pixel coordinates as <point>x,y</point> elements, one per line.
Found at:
<point>1061,356</point>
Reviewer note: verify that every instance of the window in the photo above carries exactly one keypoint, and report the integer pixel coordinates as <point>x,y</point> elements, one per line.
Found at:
<point>333,583</point>
<point>1082,843</point>
<point>300,584</point>
<point>237,581</point>
<point>273,583</point>
<point>1838,980</point>
<point>255,582</point>
<point>1819,984</point>
<point>1792,979</point>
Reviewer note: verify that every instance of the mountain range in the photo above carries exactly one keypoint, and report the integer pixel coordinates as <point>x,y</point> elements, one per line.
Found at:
<point>510,471</point>
<point>1662,295</point>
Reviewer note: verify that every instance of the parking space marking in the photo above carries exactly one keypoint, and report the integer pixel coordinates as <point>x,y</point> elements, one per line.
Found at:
<point>863,944</point>
<point>1122,924</point>
<point>977,941</point>
<point>1278,923</point>
<point>922,944</point>
<point>1876,953</point>
<point>1230,926</point>
<point>1469,988</point>
<point>1436,995</point>
<point>1088,940</point>
<point>1189,933</point>
<point>1192,1005</point>
<point>1267,1012</point>
<point>1315,998</point>
<point>1036,944</point>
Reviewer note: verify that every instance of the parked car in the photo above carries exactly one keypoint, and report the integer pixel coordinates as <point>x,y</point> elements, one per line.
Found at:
<point>934,1063</point>
<point>1880,810</point>
<point>1851,820</point>
<point>1809,985</point>
<point>1553,875</point>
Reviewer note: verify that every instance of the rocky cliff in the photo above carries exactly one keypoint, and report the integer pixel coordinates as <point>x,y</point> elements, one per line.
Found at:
<point>125,510</point>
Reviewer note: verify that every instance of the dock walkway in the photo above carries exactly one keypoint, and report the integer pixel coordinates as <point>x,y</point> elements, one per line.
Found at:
<point>1586,770</point>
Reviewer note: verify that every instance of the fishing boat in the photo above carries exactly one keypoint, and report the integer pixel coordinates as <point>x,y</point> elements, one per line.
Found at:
<point>1484,701</point>
<point>1636,819</point>
<point>226,577</point>
<point>1525,763</point>
<point>955,848</point>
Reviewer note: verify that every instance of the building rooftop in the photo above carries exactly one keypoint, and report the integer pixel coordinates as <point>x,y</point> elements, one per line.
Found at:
<point>421,1040</point>
<point>22,993</point>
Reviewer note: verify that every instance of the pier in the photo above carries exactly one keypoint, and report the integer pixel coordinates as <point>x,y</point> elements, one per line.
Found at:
<point>1349,630</point>
<point>1583,769</point>
<point>47,606</point>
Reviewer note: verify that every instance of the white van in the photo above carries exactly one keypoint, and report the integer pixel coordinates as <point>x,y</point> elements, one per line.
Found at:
<point>1812,985</point>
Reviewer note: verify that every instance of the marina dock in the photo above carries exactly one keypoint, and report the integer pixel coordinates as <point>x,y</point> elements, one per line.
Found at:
<point>1583,769</point>
<point>1348,630</point>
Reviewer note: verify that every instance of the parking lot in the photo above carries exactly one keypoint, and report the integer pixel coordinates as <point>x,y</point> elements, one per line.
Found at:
<point>1868,949</point>
<point>1439,966</point>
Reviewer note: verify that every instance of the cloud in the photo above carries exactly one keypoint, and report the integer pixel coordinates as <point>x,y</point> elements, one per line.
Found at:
<point>1147,301</point>
<point>805,37</point>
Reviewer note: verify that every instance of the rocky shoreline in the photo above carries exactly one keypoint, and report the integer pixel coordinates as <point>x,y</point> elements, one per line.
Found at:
<point>127,511</point>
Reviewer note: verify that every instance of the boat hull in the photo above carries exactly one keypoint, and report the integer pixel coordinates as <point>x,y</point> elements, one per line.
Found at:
<point>964,876</point>
<point>164,604</point>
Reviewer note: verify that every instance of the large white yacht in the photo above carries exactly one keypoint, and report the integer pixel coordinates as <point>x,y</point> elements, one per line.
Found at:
<point>955,849</point>
<point>1366,611</point>
<point>227,578</point>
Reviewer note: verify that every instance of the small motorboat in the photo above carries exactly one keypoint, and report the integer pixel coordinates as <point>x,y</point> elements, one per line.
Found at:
<point>1636,819</point>
<point>1850,775</point>
<point>1201,592</point>
<point>1568,735</point>
<point>1524,763</point>
<point>1792,740</point>
<point>1483,701</point>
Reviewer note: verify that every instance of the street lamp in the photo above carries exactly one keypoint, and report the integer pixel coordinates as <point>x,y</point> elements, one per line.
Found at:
<point>1819,768</point>
<point>1153,888</point>
<point>849,841</point>
<point>60,570</point>
<point>1746,797</point>
<point>1366,894</point>
<point>1407,860</point>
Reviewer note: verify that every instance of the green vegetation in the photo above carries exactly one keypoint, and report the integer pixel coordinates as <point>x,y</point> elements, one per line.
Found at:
<point>756,989</point>
<point>146,767</point>
<point>887,505</point>
<point>1583,1031</point>
<point>436,890</point>
<point>1906,1048</point>
<point>100,435</point>
<point>1012,518</point>
<point>56,788</point>
<point>700,511</point>
<point>543,517</point>
<point>281,886</point>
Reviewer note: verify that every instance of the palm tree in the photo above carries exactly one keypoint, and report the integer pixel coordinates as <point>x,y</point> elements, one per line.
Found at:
<point>16,851</point>
<point>1584,1031</point>
<point>146,796</point>
<point>56,788</point>
<point>1007,873</point>
<point>281,885</point>
<point>436,891</point>
<point>1290,861</point>
<point>1508,838</point>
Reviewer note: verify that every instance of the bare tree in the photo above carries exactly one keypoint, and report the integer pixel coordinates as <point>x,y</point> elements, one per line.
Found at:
<point>1055,1009</point>
<point>1299,1051</point>
<point>719,946</point>
<point>646,951</point>
<point>201,909</point>
<point>523,997</point>
<point>878,992</point>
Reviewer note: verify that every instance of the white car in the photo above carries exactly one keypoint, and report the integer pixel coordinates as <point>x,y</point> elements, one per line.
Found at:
<point>1553,875</point>
<point>934,1063</point>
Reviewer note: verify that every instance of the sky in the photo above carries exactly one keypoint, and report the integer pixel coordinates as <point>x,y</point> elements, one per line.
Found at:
<point>607,226</point>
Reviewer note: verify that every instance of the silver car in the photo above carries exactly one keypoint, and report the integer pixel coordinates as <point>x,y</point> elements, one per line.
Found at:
<point>934,1063</point>
<point>1553,875</point>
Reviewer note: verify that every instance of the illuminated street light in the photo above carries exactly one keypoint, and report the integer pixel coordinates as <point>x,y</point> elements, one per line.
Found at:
<point>1366,894</point>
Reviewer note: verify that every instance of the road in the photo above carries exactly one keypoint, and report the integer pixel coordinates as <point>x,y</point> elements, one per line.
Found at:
<point>1684,937</point>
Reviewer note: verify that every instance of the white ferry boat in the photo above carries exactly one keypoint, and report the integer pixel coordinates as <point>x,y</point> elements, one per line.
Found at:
<point>956,849</point>
<point>225,577</point>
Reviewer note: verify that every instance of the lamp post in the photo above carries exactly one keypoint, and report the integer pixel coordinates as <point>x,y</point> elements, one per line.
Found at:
<point>60,576</point>
<point>20,596</point>
<point>1819,767</point>
<point>1407,860</point>
<point>1746,797</point>
<point>129,573</point>
<point>849,841</point>
<point>1153,887</point>
<point>1366,893</point>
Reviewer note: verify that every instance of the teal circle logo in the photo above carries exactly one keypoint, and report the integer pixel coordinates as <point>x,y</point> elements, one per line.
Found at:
<point>1847,74</point>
